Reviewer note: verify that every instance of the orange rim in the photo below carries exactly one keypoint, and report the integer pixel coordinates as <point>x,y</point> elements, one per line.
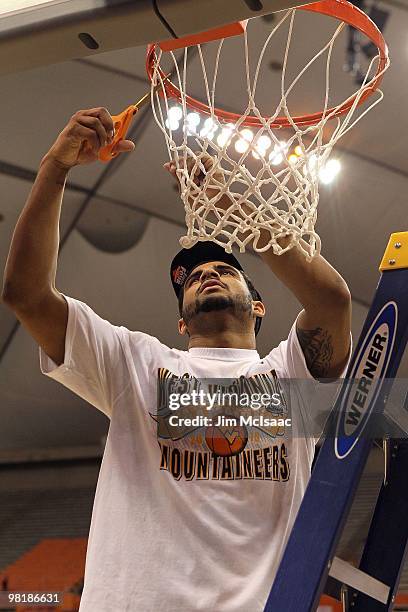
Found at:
<point>341,10</point>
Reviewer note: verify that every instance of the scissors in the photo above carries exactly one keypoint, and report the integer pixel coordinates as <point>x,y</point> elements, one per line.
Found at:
<point>122,122</point>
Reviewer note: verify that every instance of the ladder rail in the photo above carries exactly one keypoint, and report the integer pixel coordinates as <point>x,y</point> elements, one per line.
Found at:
<point>309,552</point>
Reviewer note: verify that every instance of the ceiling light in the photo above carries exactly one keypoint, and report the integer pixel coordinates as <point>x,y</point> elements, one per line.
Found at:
<point>328,173</point>
<point>173,124</point>
<point>210,124</point>
<point>276,158</point>
<point>247,134</point>
<point>263,142</point>
<point>176,113</point>
<point>193,119</point>
<point>241,145</point>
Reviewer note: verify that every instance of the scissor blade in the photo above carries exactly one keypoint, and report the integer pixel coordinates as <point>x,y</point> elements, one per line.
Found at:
<point>147,97</point>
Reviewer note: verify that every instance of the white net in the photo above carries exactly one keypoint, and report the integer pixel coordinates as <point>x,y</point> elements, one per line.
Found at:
<point>255,193</point>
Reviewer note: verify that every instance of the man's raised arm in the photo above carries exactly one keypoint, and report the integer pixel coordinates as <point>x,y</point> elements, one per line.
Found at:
<point>29,277</point>
<point>323,327</point>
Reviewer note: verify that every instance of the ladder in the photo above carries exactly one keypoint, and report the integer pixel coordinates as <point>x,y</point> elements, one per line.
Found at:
<point>309,558</point>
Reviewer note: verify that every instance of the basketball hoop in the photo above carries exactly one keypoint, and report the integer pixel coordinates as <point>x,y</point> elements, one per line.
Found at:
<point>272,199</point>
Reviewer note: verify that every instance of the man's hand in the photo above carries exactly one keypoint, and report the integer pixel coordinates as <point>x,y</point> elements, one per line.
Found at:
<point>80,141</point>
<point>217,179</point>
<point>215,184</point>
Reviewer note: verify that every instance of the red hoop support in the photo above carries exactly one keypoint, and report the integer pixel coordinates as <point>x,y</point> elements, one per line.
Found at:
<point>339,9</point>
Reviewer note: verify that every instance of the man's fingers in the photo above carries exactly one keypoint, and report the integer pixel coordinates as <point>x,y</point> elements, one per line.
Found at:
<point>208,164</point>
<point>190,165</point>
<point>208,161</point>
<point>95,124</point>
<point>104,116</point>
<point>171,168</point>
<point>88,135</point>
<point>197,167</point>
<point>124,146</point>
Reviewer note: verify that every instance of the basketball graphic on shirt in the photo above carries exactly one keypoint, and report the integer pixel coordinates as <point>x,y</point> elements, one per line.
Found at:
<point>226,440</point>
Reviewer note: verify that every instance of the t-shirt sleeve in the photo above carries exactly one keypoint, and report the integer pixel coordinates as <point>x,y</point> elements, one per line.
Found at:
<point>94,361</point>
<point>315,399</point>
<point>293,360</point>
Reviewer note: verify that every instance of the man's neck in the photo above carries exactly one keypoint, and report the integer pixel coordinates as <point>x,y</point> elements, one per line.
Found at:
<point>225,339</point>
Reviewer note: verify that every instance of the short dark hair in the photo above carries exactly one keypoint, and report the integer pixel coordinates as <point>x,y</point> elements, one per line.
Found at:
<point>249,284</point>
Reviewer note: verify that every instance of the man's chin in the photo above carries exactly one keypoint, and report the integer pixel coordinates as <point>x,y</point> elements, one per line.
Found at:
<point>214,302</point>
<point>217,301</point>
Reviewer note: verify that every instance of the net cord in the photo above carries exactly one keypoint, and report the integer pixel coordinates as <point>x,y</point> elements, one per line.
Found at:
<point>248,210</point>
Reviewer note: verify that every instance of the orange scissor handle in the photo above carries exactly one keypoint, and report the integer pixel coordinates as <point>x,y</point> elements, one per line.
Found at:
<point>121,125</point>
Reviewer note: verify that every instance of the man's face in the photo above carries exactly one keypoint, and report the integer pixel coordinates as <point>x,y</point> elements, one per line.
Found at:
<point>215,286</point>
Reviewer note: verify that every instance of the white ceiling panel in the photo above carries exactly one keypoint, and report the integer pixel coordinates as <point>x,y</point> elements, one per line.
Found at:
<point>131,61</point>
<point>14,194</point>
<point>142,180</point>
<point>37,411</point>
<point>380,135</point>
<point>40,103</point>
<point>8,7</point>
<point>7,322</point>
<point>357,215</point>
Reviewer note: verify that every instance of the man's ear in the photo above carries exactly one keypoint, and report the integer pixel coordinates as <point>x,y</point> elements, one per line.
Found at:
<point>259,309</point>
<point>182,327</point>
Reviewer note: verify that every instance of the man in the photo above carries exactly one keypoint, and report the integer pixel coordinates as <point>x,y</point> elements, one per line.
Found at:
<point>186,517</point>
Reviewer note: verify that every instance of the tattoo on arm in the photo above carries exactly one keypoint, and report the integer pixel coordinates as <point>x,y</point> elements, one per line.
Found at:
<point>317,348</point>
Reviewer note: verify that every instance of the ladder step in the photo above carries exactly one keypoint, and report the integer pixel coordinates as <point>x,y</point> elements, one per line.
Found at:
<point>354,577</point>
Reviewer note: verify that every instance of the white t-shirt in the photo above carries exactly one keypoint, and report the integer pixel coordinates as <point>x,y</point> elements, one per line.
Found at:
<point>175,527</point>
